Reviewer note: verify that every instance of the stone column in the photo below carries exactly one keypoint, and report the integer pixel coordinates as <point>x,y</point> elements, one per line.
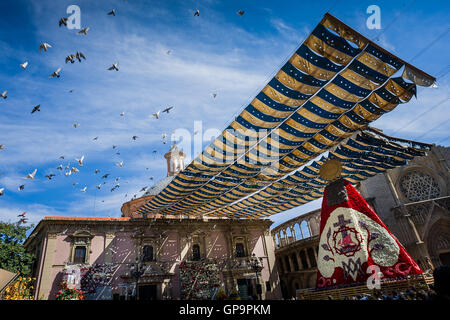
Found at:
<point>300,263</point>
<point>307,258</point>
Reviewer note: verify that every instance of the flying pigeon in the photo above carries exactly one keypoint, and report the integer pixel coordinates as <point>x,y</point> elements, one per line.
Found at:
<point>167,109</point>
<point>22,214</point>
<point>99,186</point>
<point>60,167</point>
<point>84,189</point>
<point>80,161</point>
<point>3,95</point>
<point>143,189</point>
<point>24,65</point>
<point>214,95</point>
<point>114,146</point>
<point>2,191</point>
<point>21,187</point>
<point>169,51</point>
<point>118,153</point>
<point>68,166</point>
<point>50,176</point>
<point>151,178</point>
<point>114,67</point>
<point>68,173</point>
<point>70,58</point>
<point>97,171</point>
<point>135,137</point>
<point>112,13</point>
<point>105,176</point>
<point>120,164</point>
<point>195,132</point>
<point>96,138</point>
<point>61,157</point>
<point>36,108</point>
<point>74,184</point>
<point>31,175</point>
<point>80,55</point>
<point>117,179</point>
<point>84,31</point>
<point>63,21</point>
<point>154,151</point>
<point>71,90</point>
<point>240,12</point>
<point>44,46</point>
<point>22,221</point>
<point>2,146</point>
<point>74,170</point>
<point>156,115</point>
<point>76,125</point>
<point>197,13</point>
<point>56,73</point>
<point>122,114</point>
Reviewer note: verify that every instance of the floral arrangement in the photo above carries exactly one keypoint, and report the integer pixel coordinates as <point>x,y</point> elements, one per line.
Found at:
<point>22,289</point>
<point>198,279</point>
<point>66,293</point>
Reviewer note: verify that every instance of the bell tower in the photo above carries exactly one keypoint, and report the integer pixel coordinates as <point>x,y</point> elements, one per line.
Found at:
<point>175,160</point>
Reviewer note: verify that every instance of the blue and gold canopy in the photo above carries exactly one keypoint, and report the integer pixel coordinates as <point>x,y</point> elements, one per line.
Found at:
<point>334,85</point>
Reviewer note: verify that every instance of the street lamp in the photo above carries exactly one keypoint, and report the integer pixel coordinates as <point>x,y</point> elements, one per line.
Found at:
<point>256,264</point>
<point>137,269</point>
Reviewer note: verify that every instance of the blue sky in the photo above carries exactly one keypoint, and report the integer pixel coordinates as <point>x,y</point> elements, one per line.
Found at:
<point>218,52</point>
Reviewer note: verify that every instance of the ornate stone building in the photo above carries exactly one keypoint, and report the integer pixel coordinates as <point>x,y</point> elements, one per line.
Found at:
<point>413,201</point>
<point>182,257</point>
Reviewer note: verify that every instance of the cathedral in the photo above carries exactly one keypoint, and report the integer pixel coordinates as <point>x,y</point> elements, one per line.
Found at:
<point>157,257</point>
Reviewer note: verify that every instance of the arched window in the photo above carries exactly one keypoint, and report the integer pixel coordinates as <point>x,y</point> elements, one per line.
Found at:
<point>240,251</point>
<point>80,254</point>
<point>276,240</point>
<point>196,252</point>
<point>305,229</point>
<point>298,232</point>
<point>288,235</point>
<point>312,258</point>
<point>147,253</point>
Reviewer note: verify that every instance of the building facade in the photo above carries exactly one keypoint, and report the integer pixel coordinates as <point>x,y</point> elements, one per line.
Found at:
<point>181,257</point>
<point>412,201</point>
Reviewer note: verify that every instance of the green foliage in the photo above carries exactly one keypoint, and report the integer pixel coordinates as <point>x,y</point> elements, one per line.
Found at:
<point>13,256</point>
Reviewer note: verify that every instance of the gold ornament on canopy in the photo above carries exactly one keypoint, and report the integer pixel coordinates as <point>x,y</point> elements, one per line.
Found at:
<point>331,170</point>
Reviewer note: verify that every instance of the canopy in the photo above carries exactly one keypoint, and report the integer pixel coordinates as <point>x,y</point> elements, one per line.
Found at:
<point>334,85</point>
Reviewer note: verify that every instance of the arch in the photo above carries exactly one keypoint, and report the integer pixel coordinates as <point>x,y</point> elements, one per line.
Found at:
<point>438,241</point>
<point>282,239</point>
<point>298,232</point>
<point>288,235</point>
<point>277,241</point>
<point>305,229</point>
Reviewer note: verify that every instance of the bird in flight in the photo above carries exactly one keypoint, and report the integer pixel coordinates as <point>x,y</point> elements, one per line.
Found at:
<point>2,146</point>
<point>214,95</point>
<point>36,108</point>
<point>143,189</point>
<point>112,13</point>
<point>169,51</point>
<point>80,161</point>
<point>76,125</point>
<point>84,189</point>
<point>2,191</point>
<point>240,12</point>
<point>197,13</point>
<point>156,114</point>
<point>60,167</point>
<point>96,138</point>
<point>120,164</point>
<point>24,65</point>
<point>50,176</point>
<point>105,176</point>
<point>122,114</point>
<point>114,67</point>
<point>56,73</point>
<point>3,95</point>
<point>22,214</point>
<point>61,157</point>
<point>74,170</point>
<point>21,187</point>
<point>97,171</point>
<point>135,137</point>
<point>31,175</point>
<point>84,31</point>
<point>22,221</point>
<point>70,58</point>
<point>167,109</point>
<point>74,184</point>
<point>63,21</point>
<point>44,46</point>
<point>99,186</point>
<point>80,55</point>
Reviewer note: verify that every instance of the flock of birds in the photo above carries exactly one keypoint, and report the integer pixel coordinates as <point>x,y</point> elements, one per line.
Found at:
<point>69,170</point>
